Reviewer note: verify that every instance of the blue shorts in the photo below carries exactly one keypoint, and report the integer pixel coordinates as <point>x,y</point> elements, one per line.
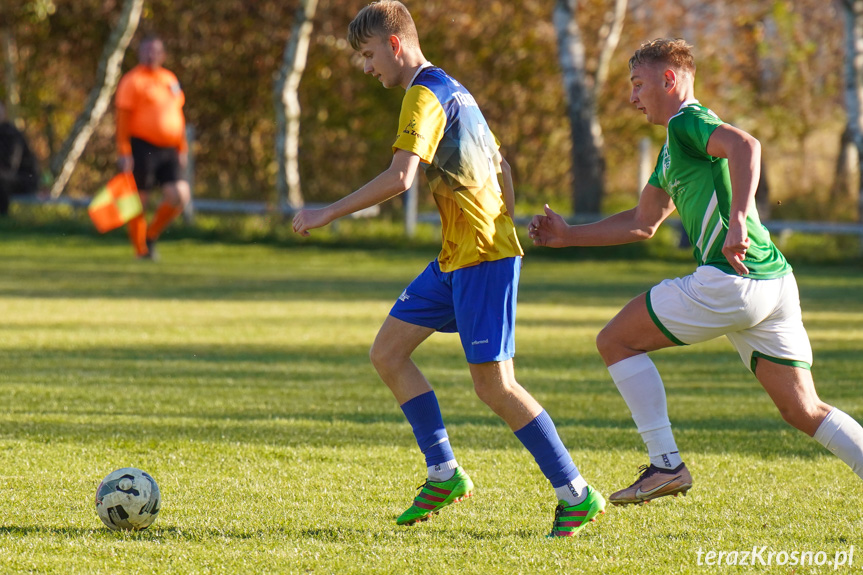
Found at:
<point>478,302</point>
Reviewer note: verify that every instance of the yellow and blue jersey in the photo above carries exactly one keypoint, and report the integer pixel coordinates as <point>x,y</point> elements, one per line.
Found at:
<point>442,124</point>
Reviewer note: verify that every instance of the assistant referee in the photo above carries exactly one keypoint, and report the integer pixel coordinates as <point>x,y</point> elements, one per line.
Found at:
<point>151,141</point>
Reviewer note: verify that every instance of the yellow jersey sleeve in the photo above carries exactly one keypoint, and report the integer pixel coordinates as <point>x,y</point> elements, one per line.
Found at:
<point>421,123</point>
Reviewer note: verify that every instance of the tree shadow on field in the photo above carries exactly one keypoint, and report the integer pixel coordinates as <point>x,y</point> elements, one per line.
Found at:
<point>343,534</point>
<point>80,532</point>
<point>496,534</point>
<point>294,435</point>
<point>154,533</point>
<point>65,284</point>
<point>66,532</point>
<point>287,398</point>
<point>330,534</point>
<point>180,362</point>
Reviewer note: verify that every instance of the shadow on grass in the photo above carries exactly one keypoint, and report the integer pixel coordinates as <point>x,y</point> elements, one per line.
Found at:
<point>160,282</point>
<point>80,532</point>
<point>331,534</point>
<point>170,285</point>
<point>91,268</point>
<point>154,533</point>
<point>266,395</point>
<point>765,436</point>
<point>321,534</point>
<point>67,532</point>
<point>340,534</point>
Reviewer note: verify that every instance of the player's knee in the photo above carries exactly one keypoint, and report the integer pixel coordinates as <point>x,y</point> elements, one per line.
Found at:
<point>177,194</point>
<point>805,417</point>
<point>184,193</point>
<point>385,358</point>
<point>487,394</point>
<point>492,392</point>
<point>377,356</point>
<point>605,342</point>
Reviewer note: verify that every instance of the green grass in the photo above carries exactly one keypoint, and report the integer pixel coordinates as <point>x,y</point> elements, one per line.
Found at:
<point>238,376</point>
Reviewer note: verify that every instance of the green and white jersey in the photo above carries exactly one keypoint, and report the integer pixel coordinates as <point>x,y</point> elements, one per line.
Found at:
<point>700,187</point>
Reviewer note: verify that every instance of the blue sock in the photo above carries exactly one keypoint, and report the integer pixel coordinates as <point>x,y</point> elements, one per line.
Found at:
<point>541,439</point>
<point>423,413</point>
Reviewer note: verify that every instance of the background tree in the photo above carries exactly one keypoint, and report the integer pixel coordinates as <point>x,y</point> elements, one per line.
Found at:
<point>108,76</point>
<point>288,107</point>
<point>769,66</point>
<point>609,37</point>
<point>853,11</point>
<point>588,162</point>
<point>10,65</point>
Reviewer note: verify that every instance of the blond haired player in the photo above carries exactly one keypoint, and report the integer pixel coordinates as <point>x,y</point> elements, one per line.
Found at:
<point>471,287</point>
<point>742,288</point>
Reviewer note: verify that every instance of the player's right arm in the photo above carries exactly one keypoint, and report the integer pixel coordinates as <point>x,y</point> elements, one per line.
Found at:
<point>124,145</point>
<point>743,152</point>
<point>634,225</point>
<point>391,182</point>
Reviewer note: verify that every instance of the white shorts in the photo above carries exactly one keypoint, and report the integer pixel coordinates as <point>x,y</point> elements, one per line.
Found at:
<point>761,318</point>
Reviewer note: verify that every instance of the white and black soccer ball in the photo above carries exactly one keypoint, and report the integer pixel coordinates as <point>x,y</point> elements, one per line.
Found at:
<point>128,499</point>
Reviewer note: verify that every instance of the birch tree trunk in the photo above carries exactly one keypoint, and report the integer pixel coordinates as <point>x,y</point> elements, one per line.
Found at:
<point>588,162</point>
<point>288,107</point>
<point>845,172</point>
<point>107,78</point>
<point>609,38</point>
<point>854,84</point>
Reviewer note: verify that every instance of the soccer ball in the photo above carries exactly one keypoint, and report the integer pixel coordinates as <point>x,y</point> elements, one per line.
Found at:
<point>128,499</point>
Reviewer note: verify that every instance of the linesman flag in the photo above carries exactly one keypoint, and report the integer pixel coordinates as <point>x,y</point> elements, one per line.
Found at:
<point>116,203</point>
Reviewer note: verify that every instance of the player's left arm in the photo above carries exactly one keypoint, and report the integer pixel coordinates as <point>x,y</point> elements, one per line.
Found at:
<point>743,152</point>
<point>633,225</point>
<point>507,186</point>
<point>391,182</point>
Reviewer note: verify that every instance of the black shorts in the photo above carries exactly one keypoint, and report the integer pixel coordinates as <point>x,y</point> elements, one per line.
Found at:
<point>154,166</point>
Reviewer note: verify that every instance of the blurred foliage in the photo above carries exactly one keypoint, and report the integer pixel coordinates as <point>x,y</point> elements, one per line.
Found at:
<point>772,67</point>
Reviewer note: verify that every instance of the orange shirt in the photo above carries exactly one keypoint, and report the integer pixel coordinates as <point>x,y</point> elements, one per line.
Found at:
<point>150,107</point>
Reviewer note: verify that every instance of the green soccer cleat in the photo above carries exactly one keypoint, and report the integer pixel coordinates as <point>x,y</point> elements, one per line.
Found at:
<point>435,495</point>
<point>570,520</point>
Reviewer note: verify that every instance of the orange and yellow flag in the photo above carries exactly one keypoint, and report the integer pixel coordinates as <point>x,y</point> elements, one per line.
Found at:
<point>116,203</point>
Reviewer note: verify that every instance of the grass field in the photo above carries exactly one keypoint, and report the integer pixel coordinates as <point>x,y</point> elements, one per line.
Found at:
<point>238,376</point>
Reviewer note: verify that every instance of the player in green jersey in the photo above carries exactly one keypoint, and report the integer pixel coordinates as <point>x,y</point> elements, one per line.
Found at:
<point>742,288</point>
